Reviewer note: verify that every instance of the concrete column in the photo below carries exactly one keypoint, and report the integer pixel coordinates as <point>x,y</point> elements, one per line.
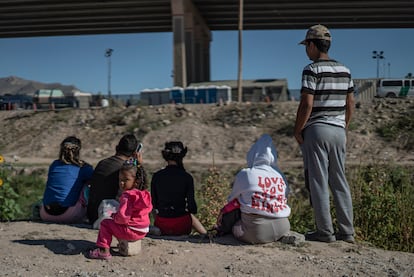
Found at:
<point>179,56</point>
<point>201,46</point>
<point>191,38</point>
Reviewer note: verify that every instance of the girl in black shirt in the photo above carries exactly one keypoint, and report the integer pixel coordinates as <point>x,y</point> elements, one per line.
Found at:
<point>172,192</point>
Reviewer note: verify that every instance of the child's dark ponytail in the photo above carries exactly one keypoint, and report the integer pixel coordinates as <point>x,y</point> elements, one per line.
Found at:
<point>141,178</point>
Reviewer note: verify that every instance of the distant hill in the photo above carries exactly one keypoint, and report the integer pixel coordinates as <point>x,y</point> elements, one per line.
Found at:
<point>15,85</point>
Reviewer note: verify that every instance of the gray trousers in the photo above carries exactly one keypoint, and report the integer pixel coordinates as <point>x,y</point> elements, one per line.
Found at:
<point>255,229</point>
<point>324,151</point>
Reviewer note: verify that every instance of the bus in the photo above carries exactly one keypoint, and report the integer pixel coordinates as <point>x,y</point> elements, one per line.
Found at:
<point>395,88</point>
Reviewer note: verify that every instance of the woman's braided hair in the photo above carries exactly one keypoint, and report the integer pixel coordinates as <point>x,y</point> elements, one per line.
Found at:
<point>70,151</point>
<point>140,173</point>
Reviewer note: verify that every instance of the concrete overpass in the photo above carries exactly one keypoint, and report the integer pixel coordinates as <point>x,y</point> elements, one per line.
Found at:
<point>192,21</point>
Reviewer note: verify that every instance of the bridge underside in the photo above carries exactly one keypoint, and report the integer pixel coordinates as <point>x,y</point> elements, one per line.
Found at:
<point>191,21</point>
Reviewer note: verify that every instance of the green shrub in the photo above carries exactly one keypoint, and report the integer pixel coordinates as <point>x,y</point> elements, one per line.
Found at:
<point>30,188</point>
<point>212,196</point>
<point>18,193</point>
<point>383,204</point>
<point>9,209</point>
<point>301,217</point>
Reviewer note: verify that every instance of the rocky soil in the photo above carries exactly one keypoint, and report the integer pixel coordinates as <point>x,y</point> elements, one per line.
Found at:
<point>215,135</point>
<point>39,250</point>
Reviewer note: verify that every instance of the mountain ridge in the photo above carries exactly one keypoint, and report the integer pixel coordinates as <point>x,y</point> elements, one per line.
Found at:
<point>13,85</point>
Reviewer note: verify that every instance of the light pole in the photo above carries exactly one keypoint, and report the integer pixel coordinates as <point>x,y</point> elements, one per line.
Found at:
<point>108,54</point>
<point>389,70</point>
<point>378,55</point>
<point>240,57</point>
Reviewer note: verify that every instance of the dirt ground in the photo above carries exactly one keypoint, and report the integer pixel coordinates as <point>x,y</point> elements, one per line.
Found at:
<point>215,135</point>
<point>40,249</point>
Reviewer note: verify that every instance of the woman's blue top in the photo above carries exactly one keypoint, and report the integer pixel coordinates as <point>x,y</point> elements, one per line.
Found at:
<point>65,182</point>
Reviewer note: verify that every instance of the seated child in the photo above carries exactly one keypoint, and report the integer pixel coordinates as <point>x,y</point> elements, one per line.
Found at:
<point>172,192</point>
<point>131,222</point>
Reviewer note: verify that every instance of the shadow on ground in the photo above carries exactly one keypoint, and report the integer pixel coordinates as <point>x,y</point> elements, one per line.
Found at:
<point>60,246</point>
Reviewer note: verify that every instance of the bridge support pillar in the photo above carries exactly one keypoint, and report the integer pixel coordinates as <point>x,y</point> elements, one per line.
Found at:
<point>191,44</point>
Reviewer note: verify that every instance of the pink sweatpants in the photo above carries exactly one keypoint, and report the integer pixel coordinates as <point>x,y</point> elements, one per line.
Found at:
<point>109,228</point>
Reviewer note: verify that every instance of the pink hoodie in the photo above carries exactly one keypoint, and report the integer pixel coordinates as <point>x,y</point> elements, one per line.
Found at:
<point>134,209</point>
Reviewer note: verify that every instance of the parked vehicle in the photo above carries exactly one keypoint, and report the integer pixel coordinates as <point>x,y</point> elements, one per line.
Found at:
<point>395,88</point>
<point>53,97</point>
<point>17,101</point>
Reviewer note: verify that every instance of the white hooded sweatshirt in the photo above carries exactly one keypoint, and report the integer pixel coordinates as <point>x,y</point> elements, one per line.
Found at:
<point>261,188</point>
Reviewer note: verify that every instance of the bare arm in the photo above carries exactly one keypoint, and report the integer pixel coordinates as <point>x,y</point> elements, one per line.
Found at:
<point>303,114</point>
<point>350,106</point>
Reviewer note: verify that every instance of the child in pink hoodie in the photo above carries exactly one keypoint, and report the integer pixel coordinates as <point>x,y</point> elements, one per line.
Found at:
<point>132,221</point>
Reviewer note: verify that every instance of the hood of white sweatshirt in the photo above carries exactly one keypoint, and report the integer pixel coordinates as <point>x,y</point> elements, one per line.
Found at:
<point>262,152</point>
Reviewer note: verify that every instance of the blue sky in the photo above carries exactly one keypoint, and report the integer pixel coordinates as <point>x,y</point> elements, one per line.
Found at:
<point>142,61</point>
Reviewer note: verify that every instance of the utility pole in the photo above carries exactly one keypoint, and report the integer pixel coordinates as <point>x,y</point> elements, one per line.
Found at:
<point>389,70</point>
<point>108,54</point>
<point>239,77</point>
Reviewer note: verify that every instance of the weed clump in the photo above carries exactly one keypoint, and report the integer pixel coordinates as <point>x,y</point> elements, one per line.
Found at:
<point>384,213</point>
<point>212,196</point>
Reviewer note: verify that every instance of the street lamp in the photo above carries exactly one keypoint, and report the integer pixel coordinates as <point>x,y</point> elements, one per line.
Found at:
<point>378,55</point>
<point>389,70</point>
<point>108,54</point>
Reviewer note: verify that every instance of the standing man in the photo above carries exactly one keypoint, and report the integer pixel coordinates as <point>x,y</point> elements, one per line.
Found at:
<point>325,110</point>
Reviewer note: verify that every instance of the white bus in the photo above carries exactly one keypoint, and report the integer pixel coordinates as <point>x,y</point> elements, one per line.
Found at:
<point>395,88</point>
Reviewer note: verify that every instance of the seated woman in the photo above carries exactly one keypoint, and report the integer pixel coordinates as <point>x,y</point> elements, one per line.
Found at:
<point>63,199</point>
<point>172,192</point>
<point>260,192</point>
